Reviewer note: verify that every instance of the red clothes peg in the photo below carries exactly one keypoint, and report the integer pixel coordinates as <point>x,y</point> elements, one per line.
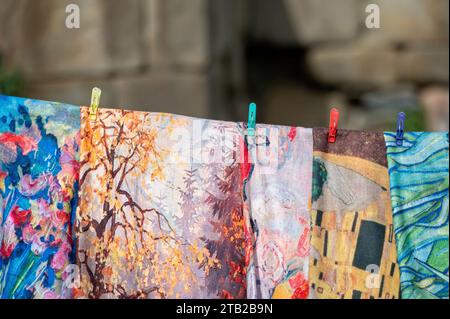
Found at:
<point>334,121</point>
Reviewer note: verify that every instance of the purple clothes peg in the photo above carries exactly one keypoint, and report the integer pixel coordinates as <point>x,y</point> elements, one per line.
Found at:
<point>400,128</point>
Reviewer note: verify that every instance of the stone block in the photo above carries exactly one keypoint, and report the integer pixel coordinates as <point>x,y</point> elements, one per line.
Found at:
<point>411,21</point>
<point>356,66</point>
<point>176,33</point>
<point>424,65</point>
<point>316,21</point>
<point>106,42</point>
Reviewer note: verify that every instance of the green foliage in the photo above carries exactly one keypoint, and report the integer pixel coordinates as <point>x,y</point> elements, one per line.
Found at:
<point>415,121</point>
<point>11,82</point>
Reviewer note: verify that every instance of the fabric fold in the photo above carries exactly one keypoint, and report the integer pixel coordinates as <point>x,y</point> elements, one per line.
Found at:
<point>277,192</point>
<point>353,252</point>
<point>418,172</point>
<point>38,196</point>
<point>160,213</point>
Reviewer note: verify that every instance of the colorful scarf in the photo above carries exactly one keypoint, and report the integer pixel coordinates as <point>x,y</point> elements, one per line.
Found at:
<point>177,207</point>
<point>353,252</point>
<point>419,192</point>
<point>277,192</point>
<point>160,213</point>
<point>38,196</point>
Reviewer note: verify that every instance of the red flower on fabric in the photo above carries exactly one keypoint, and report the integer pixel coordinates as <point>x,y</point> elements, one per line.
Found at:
<point>300,286</point>
<point>27,144</point>
<point>301,293</point>
<point>60,218</point>
<point>226,294</point>
<point>6,251</point>
<point>3,175</point>
<point>20,217</point>
<point>292,133</point>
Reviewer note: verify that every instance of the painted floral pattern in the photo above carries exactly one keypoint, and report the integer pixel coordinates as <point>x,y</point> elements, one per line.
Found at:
<point>38,196</point>
<point>153,205</point>
<point>277,192</point>
<point>158,216</point>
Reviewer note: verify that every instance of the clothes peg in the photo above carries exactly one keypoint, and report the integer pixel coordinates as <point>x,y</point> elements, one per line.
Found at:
<point>400,128</point>
<point>334,121</point>
<point>95,102</point>
<point>251,119</point>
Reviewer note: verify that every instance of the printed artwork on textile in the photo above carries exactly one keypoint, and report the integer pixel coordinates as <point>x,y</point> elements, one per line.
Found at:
<point>38,196</point>
<point>353,252</point>
<point>277,179</point>
<point>160,213</point>
<point>419,192</point>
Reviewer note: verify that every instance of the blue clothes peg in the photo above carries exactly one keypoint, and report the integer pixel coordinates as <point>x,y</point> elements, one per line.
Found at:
<point>400,128</point>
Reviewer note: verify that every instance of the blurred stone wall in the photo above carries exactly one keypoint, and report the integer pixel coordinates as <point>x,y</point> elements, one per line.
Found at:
<point>370,74</point>
<point>144,54</point>
<point>208,58</point>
